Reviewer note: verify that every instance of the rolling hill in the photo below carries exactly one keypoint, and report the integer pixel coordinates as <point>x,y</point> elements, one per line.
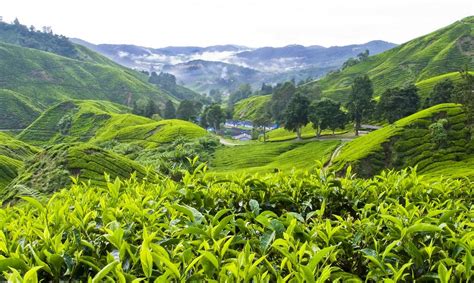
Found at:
<point>12,155</point>
<point>411,142</point>
<point>443,51</point>
<point>32,80</point>
<point>50,170</point>
<point>249,108</point>
<point>101,121</point>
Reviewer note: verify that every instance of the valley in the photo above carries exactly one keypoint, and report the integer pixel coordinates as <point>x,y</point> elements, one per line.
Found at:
<point>273,164</point>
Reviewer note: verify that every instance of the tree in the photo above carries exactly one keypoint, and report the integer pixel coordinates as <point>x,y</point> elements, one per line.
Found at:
<point>170,111</point>
<point>262,122</point>
<point>326,114</point>
<point>186,110</point>
<point>282,94</point>
<point>396,103</point>
<point>266,89</point>
<point>296,114</point>
<point>360,100</point>
<point>442,92</point>
<point>464,94</point>
<point>215,116</point>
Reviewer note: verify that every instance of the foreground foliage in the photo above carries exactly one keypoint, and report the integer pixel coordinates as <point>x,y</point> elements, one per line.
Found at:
<point>394,227</point>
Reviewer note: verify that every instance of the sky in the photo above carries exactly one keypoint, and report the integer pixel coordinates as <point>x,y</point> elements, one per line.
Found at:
<point>253,23</point>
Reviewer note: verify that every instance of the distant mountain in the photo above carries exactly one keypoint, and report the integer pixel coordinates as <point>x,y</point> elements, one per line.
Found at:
<point>441,52</point>
<point>269,64</point>
<point>205,75</point>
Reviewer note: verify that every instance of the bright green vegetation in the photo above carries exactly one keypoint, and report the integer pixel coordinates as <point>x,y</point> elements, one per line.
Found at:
<point>426,86</point>
<point>12,154</point>
<point>16,112</point>
<point>441,52</point>
<point>152,134</point>
<point>307,131</point>
<point>36,80</point>
<point>72,121</point>
<point>49,170</point>
<point>272,228</point>
<point>409,142</point>
<point>268,157</point>
<point>248,109</point>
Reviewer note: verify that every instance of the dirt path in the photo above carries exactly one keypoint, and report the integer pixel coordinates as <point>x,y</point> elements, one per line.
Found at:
<point>227,143</point>
<point>334,154</point>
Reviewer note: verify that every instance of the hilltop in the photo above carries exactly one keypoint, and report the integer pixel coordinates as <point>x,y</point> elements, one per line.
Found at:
<point>410,142</point>
<point>440,52</point>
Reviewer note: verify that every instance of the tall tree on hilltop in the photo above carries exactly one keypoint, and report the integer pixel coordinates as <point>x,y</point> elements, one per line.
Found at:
<point>296,114</point>
<point>360,100</point>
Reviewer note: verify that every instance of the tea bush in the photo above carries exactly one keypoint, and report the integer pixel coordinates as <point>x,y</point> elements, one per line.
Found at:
<point>397,226</point>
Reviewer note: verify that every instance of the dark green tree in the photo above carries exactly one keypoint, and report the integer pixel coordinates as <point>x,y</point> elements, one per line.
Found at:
<point>216,95</point>
<point>282,94</point>
<point>296,114</point>
<point>170,111</point>
<point>464,94</point>
<point>262,122</point>
<point>442,92</point>
<point>326,114</point>
<point>186,110</point>
<point>215,116</point>
<point>396,103</point>
<point>360,100</point>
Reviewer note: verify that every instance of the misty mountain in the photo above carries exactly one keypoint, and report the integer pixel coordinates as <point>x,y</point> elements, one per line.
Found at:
<point>228,66</point>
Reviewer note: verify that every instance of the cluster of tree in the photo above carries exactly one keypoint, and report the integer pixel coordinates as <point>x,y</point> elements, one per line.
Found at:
<point>361,57</point>
<point>212,116</point>
<point>165,80</point>
<point>396,103</point>
<point>44,39</point>
<point>146,107</point>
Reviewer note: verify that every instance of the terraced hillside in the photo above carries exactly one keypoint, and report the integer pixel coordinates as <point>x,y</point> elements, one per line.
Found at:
<point>248,109</point>
<point>410,142</point>
<point>151,134</point>
<point>12,154</point>
<point>102,121</point>
<point>443,51</point>
<point>72,121</point>
<point>33,80</point>
<point>270,157</point>
<point>51,169</point>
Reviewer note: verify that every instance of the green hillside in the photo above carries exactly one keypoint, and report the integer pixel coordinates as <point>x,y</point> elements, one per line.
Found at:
<point>443,51</point>
<point>49,170</point>
<point>72,121</point>
<point>248,109</point>
<point>12,155</point>
<point>270,157</point>
<point>409,142</point>
<point>150,134</point>
<point>37,79</point>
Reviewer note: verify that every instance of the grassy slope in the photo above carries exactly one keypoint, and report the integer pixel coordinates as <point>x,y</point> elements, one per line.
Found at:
<point>12,154</point>
<point>49,170</point>
<point>266,157</point>
<point>443,51</point>
<point>247,109</point>
<point>101,121</point>
<point>150,134</point>
<point>44,79</point>
<point>408,142</point>
<point>86,117</point>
